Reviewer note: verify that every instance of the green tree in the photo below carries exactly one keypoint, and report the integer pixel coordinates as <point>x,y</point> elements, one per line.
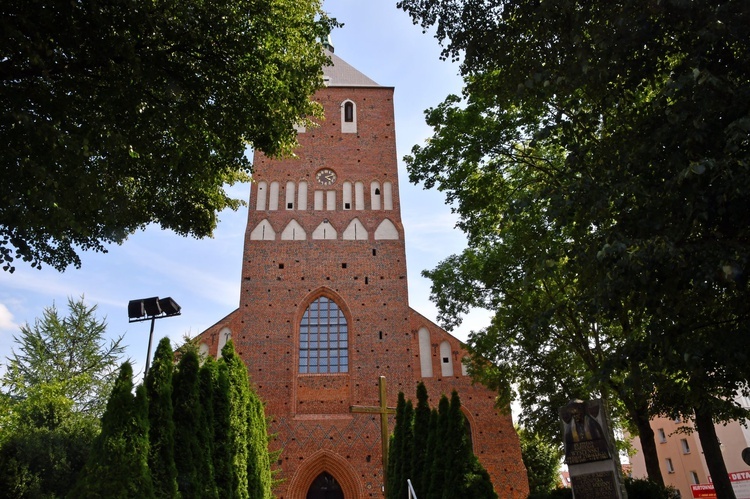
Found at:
<point>259,477</point>
<point>44,442</point>
<point>161,457</point>
<point>542,460</point>
<point>57,387</point>
<point>70,351</point>
<point>206,388</point>
<point>394,450</point>
<point>457,450</point>
<point>118,464</point>
<point>421,428</point>
<point>430,452</point>
<point>439,458</point>
<point>192,459</point>
<point>121,114</point>
<point>237,428</point>
<point>400,449</point>
<point>652,136</point>
<point>221,455</point>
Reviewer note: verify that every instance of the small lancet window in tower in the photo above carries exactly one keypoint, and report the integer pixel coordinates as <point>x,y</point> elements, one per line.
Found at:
<point>349,112</point>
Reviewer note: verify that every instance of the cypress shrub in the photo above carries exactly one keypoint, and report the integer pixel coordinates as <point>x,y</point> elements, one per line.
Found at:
<point>457,451</point>
<point>237,434</point>
<point>118,464</point>
<point>395,450</point>
<point>206,373</point>
<point>259,462</point>
<point>439,465</point>
<point>161,426</point>
<point>421,429</point>
<point>407,450</point>
<point>221,452</point>
<point>187,419</point>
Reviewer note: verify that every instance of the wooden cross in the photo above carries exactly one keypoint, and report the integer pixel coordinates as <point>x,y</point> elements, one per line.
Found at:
<point>384,411</point>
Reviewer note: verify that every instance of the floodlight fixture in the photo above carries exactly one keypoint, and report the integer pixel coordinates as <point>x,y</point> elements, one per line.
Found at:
<point>153,308</point>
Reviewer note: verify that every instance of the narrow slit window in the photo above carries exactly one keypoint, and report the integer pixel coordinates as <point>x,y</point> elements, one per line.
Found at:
<point>349,112</point>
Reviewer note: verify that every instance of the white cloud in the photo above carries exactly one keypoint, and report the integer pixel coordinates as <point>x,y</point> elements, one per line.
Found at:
<point>6,319</point>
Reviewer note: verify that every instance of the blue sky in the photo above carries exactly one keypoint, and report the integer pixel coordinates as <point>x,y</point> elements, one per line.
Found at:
<point>203,276</point>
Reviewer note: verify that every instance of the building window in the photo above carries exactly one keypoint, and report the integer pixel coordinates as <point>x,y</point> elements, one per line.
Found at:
<point>685,446</point>
<point>670,466</point>
<point>662,435</point>
<point>323,339</point>
<point>694,478</point>
<point>348,117</point>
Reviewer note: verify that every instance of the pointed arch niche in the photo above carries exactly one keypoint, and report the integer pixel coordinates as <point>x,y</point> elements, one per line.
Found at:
<point>325,461</point>
<point>263,232</point>
<point>324,231</point>
<point>355,231</point>
<point>386,230</point>
<point>293,232</point>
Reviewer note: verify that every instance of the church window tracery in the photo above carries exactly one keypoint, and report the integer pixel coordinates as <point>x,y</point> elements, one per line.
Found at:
<point>323,339</point>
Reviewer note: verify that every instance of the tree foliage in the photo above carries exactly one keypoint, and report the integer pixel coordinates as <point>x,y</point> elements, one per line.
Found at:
<point>161,452</point>
<point>56,387</point>
<point>44,442</point>
<point>443,447</point>
<point>622,129</point>
<point>117,115</point>
<point>542,461</point>
<point>118,463</point>
<point>192,459</point>
<point>69,351</point>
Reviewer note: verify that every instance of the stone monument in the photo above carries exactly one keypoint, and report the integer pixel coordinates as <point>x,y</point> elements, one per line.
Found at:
<point>590,453</point>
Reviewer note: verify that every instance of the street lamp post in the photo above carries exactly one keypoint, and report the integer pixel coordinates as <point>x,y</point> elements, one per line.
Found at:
<point>151,309</point>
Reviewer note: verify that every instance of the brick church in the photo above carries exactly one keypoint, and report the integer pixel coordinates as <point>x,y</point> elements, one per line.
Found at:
<point>324,312</point>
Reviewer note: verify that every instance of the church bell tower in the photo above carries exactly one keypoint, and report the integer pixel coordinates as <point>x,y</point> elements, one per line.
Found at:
<point>324,310</point>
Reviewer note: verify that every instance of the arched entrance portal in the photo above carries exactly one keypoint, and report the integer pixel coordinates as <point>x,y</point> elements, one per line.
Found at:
<point>325,487</point>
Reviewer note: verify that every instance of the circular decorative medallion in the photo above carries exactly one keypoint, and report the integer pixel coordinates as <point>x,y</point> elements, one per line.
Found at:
<point>326,176</point>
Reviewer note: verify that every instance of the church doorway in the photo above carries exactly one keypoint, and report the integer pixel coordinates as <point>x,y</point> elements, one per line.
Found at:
<point>325,487</point>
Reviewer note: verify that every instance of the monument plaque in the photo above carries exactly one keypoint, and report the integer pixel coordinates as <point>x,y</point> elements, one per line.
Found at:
<point>589,451</point>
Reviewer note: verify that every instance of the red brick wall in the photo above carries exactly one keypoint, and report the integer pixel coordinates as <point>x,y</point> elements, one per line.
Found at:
<point>367,279</point>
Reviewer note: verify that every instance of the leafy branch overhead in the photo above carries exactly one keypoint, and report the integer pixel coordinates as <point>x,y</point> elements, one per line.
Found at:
<point>598,161</point>
<point>116,115</point>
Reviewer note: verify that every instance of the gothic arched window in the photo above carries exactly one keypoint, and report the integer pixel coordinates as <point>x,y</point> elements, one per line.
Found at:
<point>323,339</point>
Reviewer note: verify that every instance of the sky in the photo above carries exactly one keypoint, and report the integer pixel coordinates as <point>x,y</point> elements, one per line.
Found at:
<point>203,276</point>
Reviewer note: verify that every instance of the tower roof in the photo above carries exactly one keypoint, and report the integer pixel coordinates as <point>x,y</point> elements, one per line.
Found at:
<point>341,74</point>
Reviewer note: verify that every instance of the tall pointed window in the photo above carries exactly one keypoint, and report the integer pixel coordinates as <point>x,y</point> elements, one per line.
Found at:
<point>323,339</point>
